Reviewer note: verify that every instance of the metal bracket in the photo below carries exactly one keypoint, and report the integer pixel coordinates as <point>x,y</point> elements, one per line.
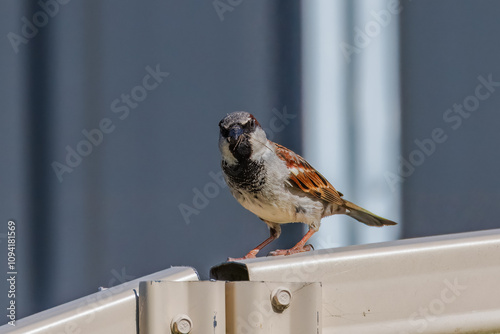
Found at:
<point>272,308</point>
<point>181,307</point>
<point>232,307</point>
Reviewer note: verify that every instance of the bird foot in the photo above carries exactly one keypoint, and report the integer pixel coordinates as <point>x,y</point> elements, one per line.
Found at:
<point>251,255</point>
<point>291,251</point>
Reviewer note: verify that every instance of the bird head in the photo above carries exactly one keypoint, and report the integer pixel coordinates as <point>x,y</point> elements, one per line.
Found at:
<point>240,136</point>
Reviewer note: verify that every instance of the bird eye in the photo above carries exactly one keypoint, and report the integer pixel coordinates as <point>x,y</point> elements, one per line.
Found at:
<point>250,124</point>
<point>224,132</point>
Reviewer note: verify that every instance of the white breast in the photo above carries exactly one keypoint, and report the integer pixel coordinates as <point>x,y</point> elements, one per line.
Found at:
<point>276,202</point>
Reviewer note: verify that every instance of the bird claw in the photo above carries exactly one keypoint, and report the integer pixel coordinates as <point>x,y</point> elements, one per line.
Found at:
<point>251,255</point>
<point>294,250</point>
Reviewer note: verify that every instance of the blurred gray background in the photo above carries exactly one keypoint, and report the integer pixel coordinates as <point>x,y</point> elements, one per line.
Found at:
<point>147,196</point>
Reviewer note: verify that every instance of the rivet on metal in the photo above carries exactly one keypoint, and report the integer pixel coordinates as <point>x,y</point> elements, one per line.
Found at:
<point>181,324</point>
<point>281,299</point>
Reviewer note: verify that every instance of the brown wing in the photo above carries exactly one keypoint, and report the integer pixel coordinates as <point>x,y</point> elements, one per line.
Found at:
<point>305,177</point>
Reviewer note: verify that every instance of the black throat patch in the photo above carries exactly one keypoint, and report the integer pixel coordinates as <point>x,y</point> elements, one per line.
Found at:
<point>246,174</point>
<point>242,149</point>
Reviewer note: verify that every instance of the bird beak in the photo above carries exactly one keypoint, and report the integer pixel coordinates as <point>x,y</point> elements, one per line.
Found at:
<point>235,132</point>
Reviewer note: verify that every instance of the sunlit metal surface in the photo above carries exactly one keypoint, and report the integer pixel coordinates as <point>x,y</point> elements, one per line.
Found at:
<point>442,284</point>
<point>112,310</point>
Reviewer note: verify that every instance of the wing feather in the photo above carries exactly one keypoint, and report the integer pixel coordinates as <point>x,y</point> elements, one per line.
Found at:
<point>306,178</point>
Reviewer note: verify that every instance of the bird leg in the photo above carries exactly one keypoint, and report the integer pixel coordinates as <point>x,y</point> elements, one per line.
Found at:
<point>298,248</point>
<point>252,254</point>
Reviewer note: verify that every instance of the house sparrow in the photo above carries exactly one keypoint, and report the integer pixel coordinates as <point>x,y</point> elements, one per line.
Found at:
<point>278,185</point>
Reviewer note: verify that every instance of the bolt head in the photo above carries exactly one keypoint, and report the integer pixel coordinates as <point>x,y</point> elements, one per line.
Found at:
<point>281,298</point>
<point>181,324</point>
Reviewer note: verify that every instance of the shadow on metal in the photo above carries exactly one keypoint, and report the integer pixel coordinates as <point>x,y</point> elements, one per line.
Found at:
<point>230,271</point>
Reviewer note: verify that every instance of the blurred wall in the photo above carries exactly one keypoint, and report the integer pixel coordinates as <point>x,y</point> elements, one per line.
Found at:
<point>449,53</point>
<point>110,164</point>
<point>13,159</point>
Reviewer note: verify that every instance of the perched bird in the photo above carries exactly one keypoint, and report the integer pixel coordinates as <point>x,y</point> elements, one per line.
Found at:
<point>278,185</point>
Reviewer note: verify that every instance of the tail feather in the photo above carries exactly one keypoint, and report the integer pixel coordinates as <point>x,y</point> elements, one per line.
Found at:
<point>365,216</point>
